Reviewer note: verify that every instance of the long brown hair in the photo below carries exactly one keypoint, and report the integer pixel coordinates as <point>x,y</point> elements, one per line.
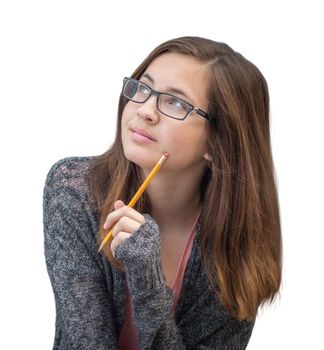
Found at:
<point>240,241</point>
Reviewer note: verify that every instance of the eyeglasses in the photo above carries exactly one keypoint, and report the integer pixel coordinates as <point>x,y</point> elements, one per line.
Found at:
<point>169,105</point>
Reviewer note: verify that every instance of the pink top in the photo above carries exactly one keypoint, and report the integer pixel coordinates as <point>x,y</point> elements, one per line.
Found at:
<point>128,339</point>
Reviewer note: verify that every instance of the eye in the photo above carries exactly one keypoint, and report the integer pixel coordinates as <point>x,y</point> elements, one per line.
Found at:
<point>176,103</point>
<point>143,89</point>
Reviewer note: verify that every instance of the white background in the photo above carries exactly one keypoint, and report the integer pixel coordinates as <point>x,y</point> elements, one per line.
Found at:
<point>61,69</point>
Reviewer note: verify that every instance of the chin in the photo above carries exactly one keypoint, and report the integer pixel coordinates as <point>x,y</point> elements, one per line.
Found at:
<point>143,158</point>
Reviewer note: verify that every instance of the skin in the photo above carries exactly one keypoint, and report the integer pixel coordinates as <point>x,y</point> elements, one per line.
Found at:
<point>174,191</point>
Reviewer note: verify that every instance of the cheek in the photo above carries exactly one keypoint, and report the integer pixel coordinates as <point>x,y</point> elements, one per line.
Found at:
<point>126,117</point>
<point>126,114</point>
<point>187,143</point>
<point>179,140</point>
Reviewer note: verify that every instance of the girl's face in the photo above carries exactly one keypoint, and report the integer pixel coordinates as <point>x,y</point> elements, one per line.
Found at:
<point>185,141</point>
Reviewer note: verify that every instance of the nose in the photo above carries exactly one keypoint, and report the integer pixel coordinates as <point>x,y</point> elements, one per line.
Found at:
<point>148,110</point>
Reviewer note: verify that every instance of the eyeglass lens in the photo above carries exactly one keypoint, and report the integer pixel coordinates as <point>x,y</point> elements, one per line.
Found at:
<point>167,104</point>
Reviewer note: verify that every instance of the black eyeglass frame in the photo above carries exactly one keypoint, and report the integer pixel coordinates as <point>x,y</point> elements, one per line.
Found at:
<point>191,108</point>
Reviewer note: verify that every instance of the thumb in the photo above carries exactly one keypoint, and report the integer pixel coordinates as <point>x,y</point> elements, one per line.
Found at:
<point>119,204</point>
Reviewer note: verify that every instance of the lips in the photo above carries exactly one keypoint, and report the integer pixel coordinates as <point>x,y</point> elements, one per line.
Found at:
<point>143,133</point>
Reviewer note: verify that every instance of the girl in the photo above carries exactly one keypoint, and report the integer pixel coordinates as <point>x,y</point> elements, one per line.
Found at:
<point>190,264</point>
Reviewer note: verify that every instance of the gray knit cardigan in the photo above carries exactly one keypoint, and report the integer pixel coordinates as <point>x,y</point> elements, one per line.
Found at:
<point>90,293</point>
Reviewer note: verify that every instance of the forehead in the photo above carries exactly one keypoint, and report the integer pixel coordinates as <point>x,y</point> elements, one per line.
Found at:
<point>178,71</point>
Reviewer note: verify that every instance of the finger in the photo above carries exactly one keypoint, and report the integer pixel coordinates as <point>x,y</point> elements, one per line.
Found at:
<point>119,239</point>
<point>125,224</point>
<point>119,204</point>
<point>115,216</point>
<point>110,220</point>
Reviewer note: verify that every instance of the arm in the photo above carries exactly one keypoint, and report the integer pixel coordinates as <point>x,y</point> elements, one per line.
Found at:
<point>84,316</point>
<point>204,325</point>
<point>151,298</point>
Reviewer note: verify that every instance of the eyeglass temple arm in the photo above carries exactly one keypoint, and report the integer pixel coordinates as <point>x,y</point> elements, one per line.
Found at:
<point>200,112</point>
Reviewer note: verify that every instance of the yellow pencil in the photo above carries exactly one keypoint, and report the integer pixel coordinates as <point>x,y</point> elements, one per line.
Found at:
<point>138,194</point>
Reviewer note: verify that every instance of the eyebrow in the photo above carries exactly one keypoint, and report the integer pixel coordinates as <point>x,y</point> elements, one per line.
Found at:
<point>169,89</point>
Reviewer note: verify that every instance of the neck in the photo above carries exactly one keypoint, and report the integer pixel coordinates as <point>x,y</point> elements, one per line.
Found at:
<point>175,200</point>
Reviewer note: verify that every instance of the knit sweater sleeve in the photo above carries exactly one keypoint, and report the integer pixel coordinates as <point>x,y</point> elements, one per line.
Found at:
<point>84,314</point>
<point>204,325</point>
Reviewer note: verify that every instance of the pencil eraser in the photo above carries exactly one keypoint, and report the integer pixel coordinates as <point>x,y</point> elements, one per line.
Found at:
<point>166,154</point>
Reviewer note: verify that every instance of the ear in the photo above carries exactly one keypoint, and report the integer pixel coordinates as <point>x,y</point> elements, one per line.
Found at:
<point>207,156</point>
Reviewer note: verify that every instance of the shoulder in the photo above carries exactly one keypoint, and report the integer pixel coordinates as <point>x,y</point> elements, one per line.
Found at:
<point>69,170</point>
<point>70,218</point>
<point>66,183</point>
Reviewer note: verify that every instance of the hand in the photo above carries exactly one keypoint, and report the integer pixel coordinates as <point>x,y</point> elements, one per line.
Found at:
<point>126,220</point>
